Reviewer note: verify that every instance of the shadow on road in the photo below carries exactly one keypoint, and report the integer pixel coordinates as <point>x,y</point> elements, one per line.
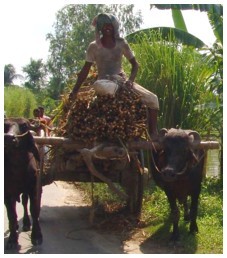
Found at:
<point>159,242</point>
<point>66,229</point>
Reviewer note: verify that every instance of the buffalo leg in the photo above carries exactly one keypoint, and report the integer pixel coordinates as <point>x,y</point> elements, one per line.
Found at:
<point>26,220</point>
<point>193,213</point>
<point>36,235</point>
<point>13,224</point>
<point>175,216</point>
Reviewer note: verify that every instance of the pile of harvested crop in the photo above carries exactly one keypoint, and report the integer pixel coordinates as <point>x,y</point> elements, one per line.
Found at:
<point>91,119</point>
<point>104,118</point>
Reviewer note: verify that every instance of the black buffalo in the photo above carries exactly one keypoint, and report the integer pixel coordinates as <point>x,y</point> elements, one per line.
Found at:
<point>21,176</point>
<point>177,167</point>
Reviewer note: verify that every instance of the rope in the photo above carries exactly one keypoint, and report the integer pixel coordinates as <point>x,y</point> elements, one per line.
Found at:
<point>185,167</point>
<point>21,135</point>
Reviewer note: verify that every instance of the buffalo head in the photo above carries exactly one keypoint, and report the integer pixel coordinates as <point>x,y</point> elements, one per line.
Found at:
<point>17,135</point>
<point>177,156</point>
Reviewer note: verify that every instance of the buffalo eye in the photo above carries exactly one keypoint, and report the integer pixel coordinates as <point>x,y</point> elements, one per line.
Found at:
<point>23,127</point>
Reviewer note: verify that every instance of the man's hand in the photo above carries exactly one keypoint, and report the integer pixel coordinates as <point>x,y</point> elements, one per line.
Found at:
<point>129,84</point>
<point>72,96</point>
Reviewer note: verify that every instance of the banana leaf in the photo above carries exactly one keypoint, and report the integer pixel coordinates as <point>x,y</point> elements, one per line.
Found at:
<point>168,34</point>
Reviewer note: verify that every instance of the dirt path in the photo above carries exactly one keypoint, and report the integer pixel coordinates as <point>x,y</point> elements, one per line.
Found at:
<point>66,229</point>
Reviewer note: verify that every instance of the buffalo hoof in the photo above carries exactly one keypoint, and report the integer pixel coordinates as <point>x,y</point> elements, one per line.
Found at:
<point>11,244</point>
<point>37,241</point>
<point>174,237</point>
<point>193,228</point>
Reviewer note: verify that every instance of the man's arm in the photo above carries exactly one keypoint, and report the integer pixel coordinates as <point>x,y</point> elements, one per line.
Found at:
<point>81,78</point>
<point>134,71</point>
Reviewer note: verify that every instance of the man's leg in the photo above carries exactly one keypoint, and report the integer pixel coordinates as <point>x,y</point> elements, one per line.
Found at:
<point>152,118</point>
<point>152,103</point>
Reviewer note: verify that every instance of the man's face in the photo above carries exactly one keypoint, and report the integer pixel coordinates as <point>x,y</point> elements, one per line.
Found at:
<point>36,113</point>
<point>108,29</point>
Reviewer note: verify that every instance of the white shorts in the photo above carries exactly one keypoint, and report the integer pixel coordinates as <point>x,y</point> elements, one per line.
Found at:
<point>147,97</point>
<point>103,87</point>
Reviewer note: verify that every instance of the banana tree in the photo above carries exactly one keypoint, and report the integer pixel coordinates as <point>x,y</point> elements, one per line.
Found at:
<point>214,12</point>
<point>215,54</point>
<point>170,34</point>
<point>213,57</point>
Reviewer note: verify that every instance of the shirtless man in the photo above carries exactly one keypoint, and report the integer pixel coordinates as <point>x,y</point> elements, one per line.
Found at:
<point>45,119</point>
<point>107,52</point>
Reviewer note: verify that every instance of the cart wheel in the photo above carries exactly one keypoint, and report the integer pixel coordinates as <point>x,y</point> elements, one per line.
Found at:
<point>134,186</point>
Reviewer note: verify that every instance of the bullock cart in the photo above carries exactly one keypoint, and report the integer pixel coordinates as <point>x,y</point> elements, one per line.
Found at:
<point>106,162</point>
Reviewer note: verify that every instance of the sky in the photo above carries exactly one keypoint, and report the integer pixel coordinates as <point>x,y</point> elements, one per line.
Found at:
<point>29,21</point>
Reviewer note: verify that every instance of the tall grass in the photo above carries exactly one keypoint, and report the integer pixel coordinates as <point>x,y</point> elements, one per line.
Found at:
<point>178,75</point>
<point>19,102</point>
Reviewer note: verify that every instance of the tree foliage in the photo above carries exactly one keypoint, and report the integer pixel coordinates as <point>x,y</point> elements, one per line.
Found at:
<point>10,74</point>
<point>73,33</point>
<point>35,74</point>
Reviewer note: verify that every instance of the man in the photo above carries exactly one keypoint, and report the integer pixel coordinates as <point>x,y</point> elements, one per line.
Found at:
<point>36,113</point>
<point>45,119</point>
<point>107,52</point>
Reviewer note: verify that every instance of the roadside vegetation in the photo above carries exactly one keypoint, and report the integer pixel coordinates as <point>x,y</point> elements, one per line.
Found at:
<point>155,224</point>
<point>19,101</point>
<point>209,240</point>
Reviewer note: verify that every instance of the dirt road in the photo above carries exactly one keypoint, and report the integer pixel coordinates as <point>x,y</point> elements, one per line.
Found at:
<point>66,229</point>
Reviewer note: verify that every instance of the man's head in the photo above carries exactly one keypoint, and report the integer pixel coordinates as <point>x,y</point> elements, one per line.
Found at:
<point>103,20</point>
<point>36,112</point>
<point>106,18</point>
<point>41,111</point>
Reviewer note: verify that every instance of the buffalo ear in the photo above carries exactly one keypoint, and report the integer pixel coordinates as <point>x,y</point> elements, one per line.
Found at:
<point>32,147</point>
<point>163,132</point>
<point>194,138</point>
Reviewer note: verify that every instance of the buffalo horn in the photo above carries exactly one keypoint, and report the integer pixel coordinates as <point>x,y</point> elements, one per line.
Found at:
<point>196,138</point>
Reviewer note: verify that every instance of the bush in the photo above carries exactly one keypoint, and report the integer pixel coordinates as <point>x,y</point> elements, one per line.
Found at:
<point>179,76</point>
<point>19,102</point>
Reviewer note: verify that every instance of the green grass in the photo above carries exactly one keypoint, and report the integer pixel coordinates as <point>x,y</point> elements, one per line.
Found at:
<point>209,240</point>
<point>158,227</point>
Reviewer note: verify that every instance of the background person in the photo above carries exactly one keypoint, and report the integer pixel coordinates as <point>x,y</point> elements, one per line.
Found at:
<point>46,119</point>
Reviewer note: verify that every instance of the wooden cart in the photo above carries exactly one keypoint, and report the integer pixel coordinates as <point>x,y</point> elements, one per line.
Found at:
<point>105,162</point>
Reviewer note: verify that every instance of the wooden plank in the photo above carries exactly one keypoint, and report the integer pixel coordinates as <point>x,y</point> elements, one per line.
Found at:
<point>136,145</point>
<point>61,142</point>
<point>147,145</point>
<point>209,145</point>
